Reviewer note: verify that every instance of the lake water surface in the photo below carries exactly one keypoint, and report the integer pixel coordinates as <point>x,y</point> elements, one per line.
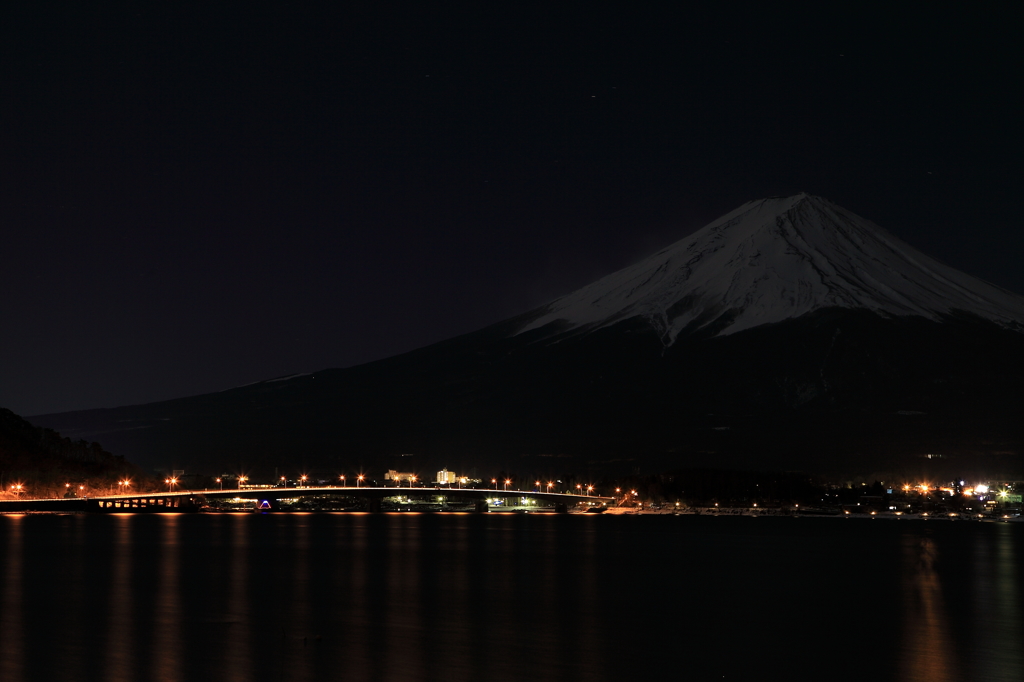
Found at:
<point>289,596</point>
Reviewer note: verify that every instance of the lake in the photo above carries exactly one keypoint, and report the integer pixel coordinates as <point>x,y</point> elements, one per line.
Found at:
<point>324,596</point>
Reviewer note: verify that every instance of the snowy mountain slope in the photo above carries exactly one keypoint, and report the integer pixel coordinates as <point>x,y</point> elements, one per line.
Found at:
<point>777,259</point>
<point>866,366</point>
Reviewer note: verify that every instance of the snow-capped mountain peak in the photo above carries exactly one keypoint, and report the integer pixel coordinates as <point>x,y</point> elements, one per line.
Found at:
<point>776,259</point>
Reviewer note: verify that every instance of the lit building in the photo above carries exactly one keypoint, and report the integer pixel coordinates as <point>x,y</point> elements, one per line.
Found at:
<point>399,476</point>
<point>444,476</point>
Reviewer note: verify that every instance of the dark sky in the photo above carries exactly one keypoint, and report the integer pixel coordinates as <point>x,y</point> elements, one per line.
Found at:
<point>196,200</point>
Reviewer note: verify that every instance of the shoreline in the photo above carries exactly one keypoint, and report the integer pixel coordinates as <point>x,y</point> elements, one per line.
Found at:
<point>750,512</point>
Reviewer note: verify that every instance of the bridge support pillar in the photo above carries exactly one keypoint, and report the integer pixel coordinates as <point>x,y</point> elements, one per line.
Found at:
<point>375,505</point>
<point>482,506</point>
<point>561,508</point>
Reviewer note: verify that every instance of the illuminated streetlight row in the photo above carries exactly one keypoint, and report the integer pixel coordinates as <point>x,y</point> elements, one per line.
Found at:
<point>171,482</point>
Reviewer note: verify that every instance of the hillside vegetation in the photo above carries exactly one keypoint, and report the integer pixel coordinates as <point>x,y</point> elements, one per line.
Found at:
<point>44,462</point>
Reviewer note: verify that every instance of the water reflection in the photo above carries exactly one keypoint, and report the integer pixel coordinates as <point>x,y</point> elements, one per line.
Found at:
<point>403,653</point>
<point>297,615</point>
<point>11,617</point>
<point>462,597</point>
<point>352,593</point>
<point>995,600</point>
<point>236,661</point>
<point>167,619</point>
<point>120,638</point>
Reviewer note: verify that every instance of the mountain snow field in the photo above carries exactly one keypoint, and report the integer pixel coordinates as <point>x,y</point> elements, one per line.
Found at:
<point>775,259</point>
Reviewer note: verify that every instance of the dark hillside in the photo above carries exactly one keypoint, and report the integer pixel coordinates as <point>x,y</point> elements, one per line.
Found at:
<point>44,461</point>
<point>837,390</point>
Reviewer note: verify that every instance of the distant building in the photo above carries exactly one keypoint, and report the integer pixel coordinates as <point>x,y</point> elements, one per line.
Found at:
<point>400,476</point>
<point>444,476</point>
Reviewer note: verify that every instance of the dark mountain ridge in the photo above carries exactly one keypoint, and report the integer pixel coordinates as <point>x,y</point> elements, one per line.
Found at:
<point>657,366</point>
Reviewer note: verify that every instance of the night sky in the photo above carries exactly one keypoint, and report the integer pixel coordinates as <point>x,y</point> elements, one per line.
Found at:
<point>197,200</point>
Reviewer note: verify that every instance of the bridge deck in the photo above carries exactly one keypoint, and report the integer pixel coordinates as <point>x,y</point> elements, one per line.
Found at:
<point>175,500</point>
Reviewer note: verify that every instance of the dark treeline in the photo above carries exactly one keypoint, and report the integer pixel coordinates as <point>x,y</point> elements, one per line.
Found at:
<point>44,461</point>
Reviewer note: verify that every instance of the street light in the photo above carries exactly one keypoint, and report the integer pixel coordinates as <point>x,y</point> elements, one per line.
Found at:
<point>579,489</point>
<point>412,479</point>
<point>284,481</point>
<point>461,481</point>
<point>550,486</point>
<point>241,481</point>
<point>507,481</point>
<point>590,489</point>
<point>538,485</point>
<point>171,482</point>
<point>303,478</point>
<point>221,482</point>
<point>495,482</point>
<point>359,480</point>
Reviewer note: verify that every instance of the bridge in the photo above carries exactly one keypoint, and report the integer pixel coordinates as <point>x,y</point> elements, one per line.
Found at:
<point>373,499</point>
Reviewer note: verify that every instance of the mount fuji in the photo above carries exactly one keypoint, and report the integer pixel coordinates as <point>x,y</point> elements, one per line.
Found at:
<point>777,259</point>
<point>789,333</point>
